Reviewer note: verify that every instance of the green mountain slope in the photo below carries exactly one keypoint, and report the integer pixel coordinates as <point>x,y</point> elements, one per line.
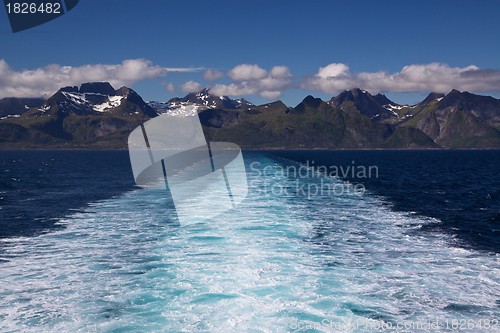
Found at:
<point>63,123</point>
<point>459,120</point>
<point>96,115</point>
<point>311,124</point>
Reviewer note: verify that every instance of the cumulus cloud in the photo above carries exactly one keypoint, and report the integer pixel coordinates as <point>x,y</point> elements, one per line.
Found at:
<point>233,89</point>
<point>336,77</point>
<point>332,70</point>
<point>247,72</point>
<point>252,80</point>
<point>436,77</point>
<point>270,94</point>
<point>170,87</point>
<point>191,86</point>
<point>47,80</point>
<point>280,72</point>
<point>212,75</point>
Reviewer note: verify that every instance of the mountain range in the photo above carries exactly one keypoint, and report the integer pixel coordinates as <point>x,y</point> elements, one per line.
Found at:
<point>96,116</point>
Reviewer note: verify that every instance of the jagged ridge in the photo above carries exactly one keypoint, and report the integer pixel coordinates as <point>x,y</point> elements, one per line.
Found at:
<point>95,115</point>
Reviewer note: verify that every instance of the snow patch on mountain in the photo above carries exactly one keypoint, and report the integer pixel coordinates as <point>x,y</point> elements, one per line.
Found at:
<point>197,101</point>
<point>76,98</point>
<point>391,108</point>
<point>185,110</point>
<point>113,102</point>
<point>11,116</point>
<point>160,107</point>
<point>176,108</point>
<point>80,99</point>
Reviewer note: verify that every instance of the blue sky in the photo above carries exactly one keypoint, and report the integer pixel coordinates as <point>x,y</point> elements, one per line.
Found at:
<point>265,50</point>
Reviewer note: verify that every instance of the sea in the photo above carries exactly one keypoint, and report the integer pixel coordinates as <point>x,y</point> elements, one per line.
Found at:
<point>325,241</point>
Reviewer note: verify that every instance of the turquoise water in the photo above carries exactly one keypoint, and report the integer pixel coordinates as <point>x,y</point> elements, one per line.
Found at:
<point>275,263</point>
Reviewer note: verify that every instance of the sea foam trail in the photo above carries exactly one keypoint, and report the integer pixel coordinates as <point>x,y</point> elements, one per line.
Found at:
<point>272,264</point>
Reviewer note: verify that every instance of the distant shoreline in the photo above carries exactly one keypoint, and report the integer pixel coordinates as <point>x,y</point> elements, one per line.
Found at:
<point>253,149</point>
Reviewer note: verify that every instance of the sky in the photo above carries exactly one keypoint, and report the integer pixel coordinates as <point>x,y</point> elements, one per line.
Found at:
<point>259,50</point>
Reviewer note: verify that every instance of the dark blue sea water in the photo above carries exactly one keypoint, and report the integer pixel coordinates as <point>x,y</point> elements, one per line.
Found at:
<point>37,188</point>
<point>417,243</point>
<point>460,189</point>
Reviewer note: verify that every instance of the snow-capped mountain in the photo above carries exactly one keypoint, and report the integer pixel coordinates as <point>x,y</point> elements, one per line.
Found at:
<point>84,101</point>
<point>377,107</point>
<point>357,100</point>
<point>99,97</point>
<point>98,116</point>
<point>176,108</point>
<point>199,101</point>
<point>94,115</point>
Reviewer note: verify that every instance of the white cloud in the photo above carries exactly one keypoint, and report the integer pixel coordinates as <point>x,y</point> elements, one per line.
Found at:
<point>47,80</point>
<point>270,83</point>
<point>280,72</point>
<point>233,89</point>
<point>332,70</point>
<point>252,80</point>
<point>170,87</point>
<point>435,77</point>
<point>271,95</point>
<point>248,79</point>
<point>191,86</point>
<point>247,72</point>
<point>212,74</point>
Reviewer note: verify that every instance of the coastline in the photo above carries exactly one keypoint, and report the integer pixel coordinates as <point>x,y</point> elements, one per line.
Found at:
<point>248,149</point>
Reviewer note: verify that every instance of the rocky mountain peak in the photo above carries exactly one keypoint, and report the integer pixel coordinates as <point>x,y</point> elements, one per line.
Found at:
<point>201,100</point>
<point>70,89</point>
<point>123,91</point>
<point>361,101</point>
<point>382,99</point>
<point>312,102</point>
<point>97,98</point>
<point>103,88</point>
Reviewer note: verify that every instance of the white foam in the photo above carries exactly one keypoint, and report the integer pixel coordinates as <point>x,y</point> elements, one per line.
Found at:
<point>123,263</point>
